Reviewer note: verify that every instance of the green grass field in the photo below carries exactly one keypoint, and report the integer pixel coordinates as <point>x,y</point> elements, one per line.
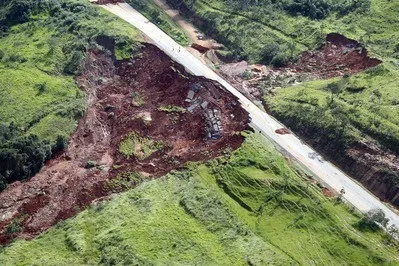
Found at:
<point>36,94</point>
<point>22,100</point>
<point>251,208</point>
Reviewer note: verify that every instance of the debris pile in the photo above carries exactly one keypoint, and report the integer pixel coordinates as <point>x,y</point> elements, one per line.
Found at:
<point>149,96</point>
<point>338,56</point>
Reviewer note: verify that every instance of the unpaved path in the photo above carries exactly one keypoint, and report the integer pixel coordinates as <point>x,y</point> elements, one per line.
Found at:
<point>192,32</point>
<point>189,29</point>
<point>326,171</point>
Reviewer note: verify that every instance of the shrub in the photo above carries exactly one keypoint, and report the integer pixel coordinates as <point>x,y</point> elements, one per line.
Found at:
<point>74,66</point>
<point>60,143</point>
<point>13,228</point>
<point>373,219</point>
<point>280,59</point>
<point>90,164</point>
<point>22,157</point>
<point>42,87</point>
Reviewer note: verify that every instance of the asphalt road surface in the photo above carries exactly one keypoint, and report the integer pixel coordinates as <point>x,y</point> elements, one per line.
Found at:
<point>327,172</point>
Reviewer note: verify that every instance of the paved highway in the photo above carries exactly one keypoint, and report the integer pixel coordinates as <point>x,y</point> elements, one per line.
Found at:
<point>330,174</point>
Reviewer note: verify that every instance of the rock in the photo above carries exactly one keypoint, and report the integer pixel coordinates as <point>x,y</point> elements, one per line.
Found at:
<point>282,131</point>
<point>200,48</point>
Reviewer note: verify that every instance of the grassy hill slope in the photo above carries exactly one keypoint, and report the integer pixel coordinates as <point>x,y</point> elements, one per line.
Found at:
<point>365,109</point>
<point>42,46</point>
<point>247,208</point>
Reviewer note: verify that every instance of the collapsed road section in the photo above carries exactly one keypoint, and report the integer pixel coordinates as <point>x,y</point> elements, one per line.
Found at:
<point>260,120</point>
<point>138,122</point>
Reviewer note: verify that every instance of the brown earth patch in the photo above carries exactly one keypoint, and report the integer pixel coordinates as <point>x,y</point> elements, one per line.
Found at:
<point>339,55</point>
<point>375,169</point>
<point>328,193</point>
<point>283,131</point>
<point>200,48</point>
<point>124,97</point>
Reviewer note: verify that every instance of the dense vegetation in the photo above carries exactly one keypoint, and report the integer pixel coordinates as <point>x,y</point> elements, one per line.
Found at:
<point>314,9</point>
<point>42,46</point>
<point>363,104</point>
<point>246,208</point>
<point>266,31</point>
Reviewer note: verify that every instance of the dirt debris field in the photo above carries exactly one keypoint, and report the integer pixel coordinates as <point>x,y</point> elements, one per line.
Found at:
<point>146,115</point>
<point>338,56</point>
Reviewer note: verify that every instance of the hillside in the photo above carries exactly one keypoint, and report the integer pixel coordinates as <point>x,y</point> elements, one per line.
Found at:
<point>111,153</point>
<point>245,208</point>
<point>43,45</point>
<point>317,87</point>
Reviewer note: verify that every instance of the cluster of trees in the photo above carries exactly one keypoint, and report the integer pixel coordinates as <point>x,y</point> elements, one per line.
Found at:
<point>314,9</point>
<point>19,11</point>
<point>319,9</point>
<point>22,156</point>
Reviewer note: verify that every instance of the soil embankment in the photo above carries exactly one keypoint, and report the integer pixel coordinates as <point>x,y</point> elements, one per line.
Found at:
<point>147,95</point>
<point>377,170</point>
<point>339,55</point>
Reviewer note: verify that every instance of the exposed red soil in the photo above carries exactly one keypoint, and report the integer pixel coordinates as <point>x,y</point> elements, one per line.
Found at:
<point>375,169</point>
<point>200,48</point>
<point>283,131</point>
<point>339,55</point>
<point>328,193</point>
<point>64,185</point>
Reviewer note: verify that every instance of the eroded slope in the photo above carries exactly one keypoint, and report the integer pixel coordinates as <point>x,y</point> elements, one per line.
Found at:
<point>146,97</point>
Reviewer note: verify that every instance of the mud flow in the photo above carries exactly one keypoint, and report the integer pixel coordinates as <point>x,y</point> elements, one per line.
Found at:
<point>146,116</point>
<point>339,55</point>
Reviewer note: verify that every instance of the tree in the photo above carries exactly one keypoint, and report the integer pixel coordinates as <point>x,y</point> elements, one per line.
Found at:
<point>340,195</point>
<point>18,11</point>
<point>339,114</point>
<point>60,144</point>
<point>280,59</point>
<point>375,99</point>
<point>373,219</point>
<point>392,233</point>
<point>22,157</point>
<point>74,66</point>
<point>335,89</point>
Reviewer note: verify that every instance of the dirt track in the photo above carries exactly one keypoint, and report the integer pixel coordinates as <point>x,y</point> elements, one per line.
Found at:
<point>65,185</point>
